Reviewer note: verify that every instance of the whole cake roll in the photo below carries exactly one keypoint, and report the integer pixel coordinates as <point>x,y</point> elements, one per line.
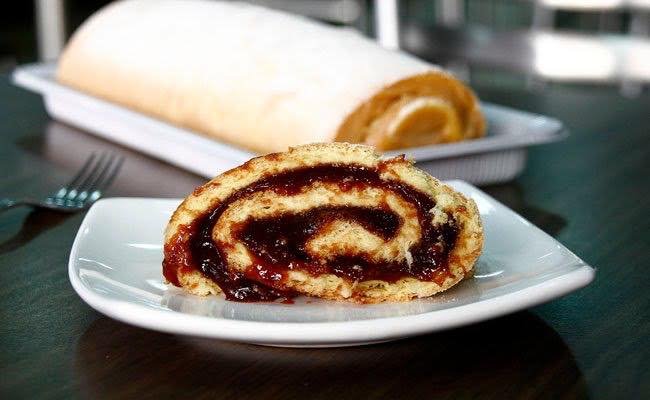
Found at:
<point>262,79</point>
<point>327,220</point>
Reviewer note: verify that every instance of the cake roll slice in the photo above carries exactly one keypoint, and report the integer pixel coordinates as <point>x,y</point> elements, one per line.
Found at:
<point>262,79</point>
<point>327,220</point>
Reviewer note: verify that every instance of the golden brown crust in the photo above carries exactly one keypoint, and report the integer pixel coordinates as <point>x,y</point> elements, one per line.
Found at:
<point>448,203</point>
<point>371,122</point>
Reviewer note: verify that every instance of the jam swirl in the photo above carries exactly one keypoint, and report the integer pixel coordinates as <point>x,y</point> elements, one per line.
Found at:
<point>277,244</point>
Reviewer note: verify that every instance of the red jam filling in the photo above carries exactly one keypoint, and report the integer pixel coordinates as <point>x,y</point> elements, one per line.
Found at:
<point>278,244</point>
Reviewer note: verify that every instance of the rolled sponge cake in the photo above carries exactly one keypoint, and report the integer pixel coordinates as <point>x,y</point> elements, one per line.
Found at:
<point>263,79</point>
<point>328,220</point>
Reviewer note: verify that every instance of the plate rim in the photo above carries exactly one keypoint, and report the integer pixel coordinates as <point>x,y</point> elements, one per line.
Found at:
<point>327,332</point>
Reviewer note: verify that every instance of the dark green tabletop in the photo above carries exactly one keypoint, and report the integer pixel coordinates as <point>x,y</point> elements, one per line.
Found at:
<point>590,192</point>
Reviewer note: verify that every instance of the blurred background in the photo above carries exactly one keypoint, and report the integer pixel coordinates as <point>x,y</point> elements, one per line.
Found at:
<point>527,43</point>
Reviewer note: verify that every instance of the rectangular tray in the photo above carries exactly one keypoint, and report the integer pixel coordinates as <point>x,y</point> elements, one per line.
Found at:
<point>498,157</point>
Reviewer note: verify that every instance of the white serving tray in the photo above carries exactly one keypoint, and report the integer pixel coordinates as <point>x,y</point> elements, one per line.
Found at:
<point>498,157</point>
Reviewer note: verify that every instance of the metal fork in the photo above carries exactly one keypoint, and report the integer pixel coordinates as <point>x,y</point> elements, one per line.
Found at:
<point>86,187</point>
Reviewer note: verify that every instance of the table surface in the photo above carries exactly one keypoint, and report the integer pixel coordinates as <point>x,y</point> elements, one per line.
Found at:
<point>590,192</point>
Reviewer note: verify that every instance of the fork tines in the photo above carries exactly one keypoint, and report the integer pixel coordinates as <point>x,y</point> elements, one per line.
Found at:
<point>95,175</point>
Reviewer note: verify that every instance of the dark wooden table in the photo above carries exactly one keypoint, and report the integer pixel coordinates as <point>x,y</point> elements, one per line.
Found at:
<point>590,192</point>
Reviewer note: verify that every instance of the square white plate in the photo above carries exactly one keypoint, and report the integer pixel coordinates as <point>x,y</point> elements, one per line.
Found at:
<point>115,266</point>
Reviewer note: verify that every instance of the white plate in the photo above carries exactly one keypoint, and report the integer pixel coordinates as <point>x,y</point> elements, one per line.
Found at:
<point>498,157</point>
<point>115,266</point>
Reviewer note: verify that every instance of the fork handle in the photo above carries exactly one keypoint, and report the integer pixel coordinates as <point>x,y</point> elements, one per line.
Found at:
<point>6,204</point>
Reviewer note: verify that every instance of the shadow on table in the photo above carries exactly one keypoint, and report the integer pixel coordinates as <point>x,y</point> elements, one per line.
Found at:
<point>517,356</point>
<point>37,222</point>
